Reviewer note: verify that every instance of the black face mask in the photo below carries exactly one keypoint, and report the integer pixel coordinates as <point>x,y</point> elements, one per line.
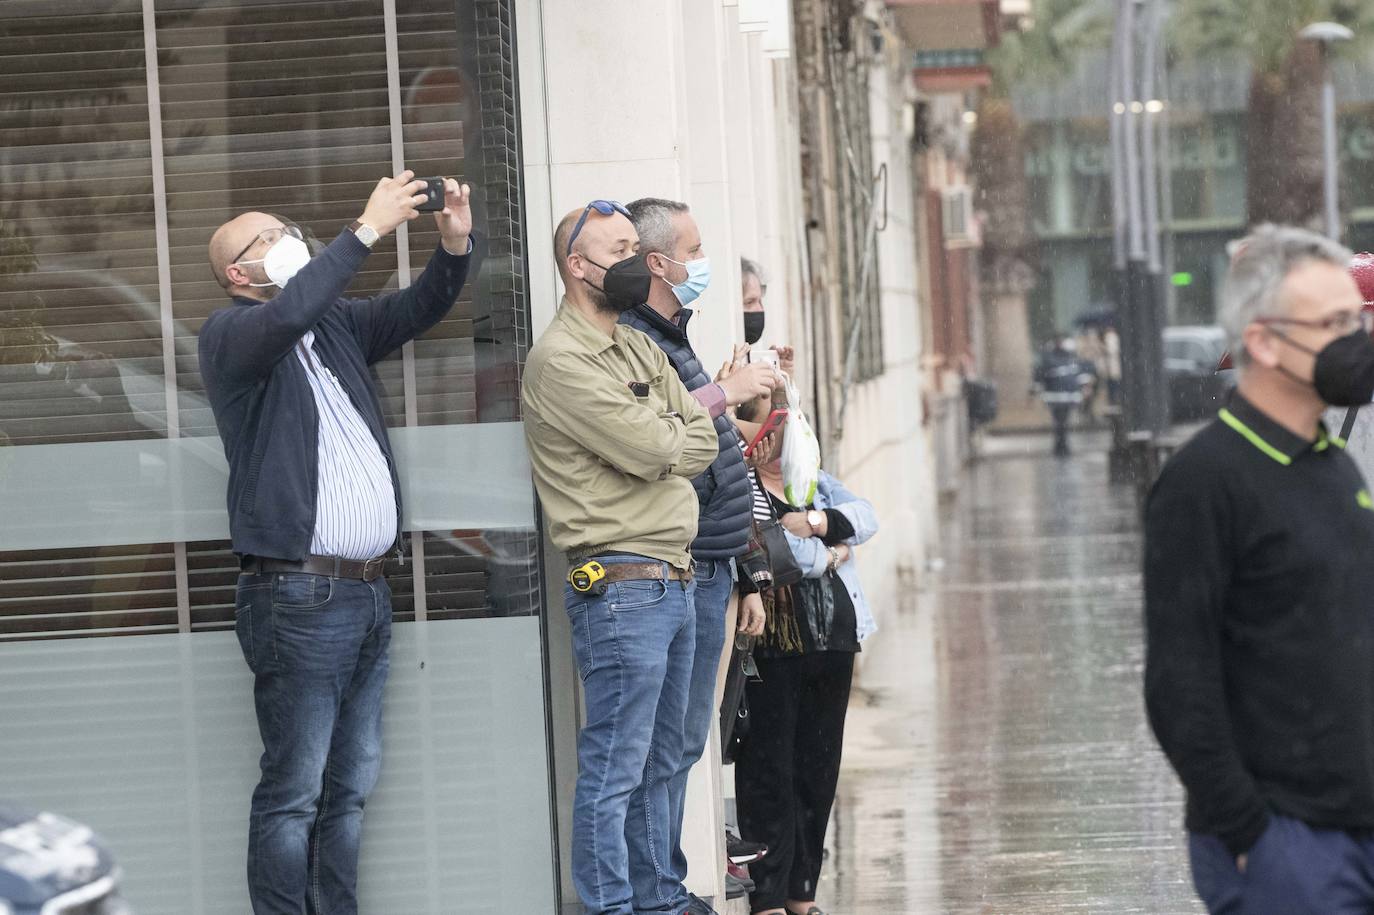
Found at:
<point>1343,373</point>
<point>753,327</point>
<point>626,283</point>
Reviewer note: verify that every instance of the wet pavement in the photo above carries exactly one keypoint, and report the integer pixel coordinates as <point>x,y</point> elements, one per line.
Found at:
<point>997,758</point>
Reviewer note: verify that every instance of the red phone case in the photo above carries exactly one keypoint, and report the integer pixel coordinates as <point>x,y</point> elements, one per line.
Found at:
<point>775,419</point>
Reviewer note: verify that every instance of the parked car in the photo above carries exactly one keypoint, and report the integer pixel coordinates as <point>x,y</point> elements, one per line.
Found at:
<point>50,865</point>
<point>1197,390</point>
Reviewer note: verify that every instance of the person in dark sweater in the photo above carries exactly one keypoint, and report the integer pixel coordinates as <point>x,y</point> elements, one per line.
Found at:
<point>314,506</point>
<point>1061,378</point>
<point>670,243</point>
<point>787,769</point>
<point>1259,599</point>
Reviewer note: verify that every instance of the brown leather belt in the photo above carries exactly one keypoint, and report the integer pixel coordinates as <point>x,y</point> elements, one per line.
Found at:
<point>330,566</point>
<point>643,571</point>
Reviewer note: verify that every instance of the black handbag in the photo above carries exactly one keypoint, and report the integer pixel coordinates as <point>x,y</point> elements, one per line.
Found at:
<point>734,706</point>
<point>772,539</point>
<point>786,570</point>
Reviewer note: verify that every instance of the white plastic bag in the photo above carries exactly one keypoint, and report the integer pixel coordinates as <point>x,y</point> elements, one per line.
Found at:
<point>801,453</point>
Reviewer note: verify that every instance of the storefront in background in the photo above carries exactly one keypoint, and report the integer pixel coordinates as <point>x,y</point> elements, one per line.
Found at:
<point>132,129</point>
<point>1068,170</point>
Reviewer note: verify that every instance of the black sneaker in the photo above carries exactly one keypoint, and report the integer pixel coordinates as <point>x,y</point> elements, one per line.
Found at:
<point>742,852</point>
<point>698,906</point>
<point>735,887</point>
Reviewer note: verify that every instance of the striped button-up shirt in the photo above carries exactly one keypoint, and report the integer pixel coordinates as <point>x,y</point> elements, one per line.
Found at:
<point>355,512</point>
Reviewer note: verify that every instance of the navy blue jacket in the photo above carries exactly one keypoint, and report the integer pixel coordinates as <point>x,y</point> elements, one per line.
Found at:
<point>723,489</point>
<point>261,396</point>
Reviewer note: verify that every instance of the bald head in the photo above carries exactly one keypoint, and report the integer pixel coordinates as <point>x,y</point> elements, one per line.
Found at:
<point>560,244</point>
<point>602,242</point>
<point>231,238</point>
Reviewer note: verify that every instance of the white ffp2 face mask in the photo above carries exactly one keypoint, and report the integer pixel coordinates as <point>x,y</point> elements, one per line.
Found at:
<point>283,260</point>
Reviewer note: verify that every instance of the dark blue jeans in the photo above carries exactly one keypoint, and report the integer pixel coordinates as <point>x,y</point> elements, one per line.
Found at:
<point>318,651</point>
<point>633,647</point>
<point>1294,869</point>
<point>654,884</point>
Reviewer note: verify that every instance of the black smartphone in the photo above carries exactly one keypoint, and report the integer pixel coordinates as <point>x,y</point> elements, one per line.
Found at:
<point>434,192</point>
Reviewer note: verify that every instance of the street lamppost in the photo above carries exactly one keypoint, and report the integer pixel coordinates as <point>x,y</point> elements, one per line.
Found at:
<point>1137,108</point>
<point>1326,34</point>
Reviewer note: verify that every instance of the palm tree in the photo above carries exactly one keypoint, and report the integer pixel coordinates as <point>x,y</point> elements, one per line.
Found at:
<point>1044,52</point>
<point>1284,139</point>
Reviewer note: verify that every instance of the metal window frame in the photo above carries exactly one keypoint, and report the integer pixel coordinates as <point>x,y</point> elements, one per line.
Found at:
<point>164,286</point>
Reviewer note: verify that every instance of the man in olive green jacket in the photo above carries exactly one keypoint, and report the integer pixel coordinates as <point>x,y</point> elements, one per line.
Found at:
<point>614,440</point>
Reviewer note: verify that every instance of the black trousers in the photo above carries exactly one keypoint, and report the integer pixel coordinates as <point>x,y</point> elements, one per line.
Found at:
<point>787,769</point>
<point>1060,413</point>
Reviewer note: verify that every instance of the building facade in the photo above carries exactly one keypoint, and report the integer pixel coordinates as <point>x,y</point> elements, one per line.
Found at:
<point>133,128</point>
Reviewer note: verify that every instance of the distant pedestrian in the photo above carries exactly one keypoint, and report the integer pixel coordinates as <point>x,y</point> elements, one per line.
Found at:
<point>1092,351</point>
<point>1061,378</point>
<point>1111,359</point>
<point>1259,671</point>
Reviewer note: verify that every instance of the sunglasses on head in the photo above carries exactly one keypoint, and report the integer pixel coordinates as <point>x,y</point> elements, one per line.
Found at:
<point>604,207</point>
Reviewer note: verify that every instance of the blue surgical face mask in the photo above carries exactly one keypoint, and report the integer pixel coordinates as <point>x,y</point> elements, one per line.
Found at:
<point>698,278</point>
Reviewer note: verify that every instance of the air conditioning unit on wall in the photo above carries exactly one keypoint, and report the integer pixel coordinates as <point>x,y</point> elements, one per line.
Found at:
<point>959,228</point>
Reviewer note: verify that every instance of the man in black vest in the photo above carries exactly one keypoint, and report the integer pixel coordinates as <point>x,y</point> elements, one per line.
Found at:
<point>671,246</point>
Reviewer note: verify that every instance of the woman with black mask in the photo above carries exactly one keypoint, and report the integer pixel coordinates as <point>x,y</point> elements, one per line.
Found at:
<point>754,288</point>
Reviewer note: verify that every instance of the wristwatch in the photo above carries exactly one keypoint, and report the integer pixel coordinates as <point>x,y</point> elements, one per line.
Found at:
<point>366,234</point>
<point>815,519</point>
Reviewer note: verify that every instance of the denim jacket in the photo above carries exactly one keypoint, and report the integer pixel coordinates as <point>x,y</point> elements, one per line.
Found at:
<point>814,559</point>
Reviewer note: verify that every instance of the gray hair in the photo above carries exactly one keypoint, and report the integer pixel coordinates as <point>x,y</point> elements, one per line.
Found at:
<point>1260,263</point>
<point>748,268</point>
<point>653,220</point>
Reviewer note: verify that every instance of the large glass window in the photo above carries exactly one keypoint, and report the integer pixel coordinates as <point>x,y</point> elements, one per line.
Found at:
<point>116,169</point>
<point>131,130</point>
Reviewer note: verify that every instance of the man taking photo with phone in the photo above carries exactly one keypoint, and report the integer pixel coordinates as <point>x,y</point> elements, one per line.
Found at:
<point>314,507</point>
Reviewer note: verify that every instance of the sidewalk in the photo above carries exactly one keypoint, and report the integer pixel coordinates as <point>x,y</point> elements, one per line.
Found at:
<point>997,760</point>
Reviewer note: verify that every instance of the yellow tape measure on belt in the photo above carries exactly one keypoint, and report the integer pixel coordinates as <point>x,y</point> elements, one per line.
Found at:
<point>588,578</point>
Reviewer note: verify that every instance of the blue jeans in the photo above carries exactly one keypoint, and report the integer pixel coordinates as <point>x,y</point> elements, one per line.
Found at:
<point>1294,869</point>
<point>318,651</point>
<point>655,885</point>
<point>633,647</point>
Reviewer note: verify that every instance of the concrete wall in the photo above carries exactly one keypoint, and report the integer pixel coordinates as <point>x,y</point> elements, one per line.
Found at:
<point>883,455</point>
<point>669,98</point>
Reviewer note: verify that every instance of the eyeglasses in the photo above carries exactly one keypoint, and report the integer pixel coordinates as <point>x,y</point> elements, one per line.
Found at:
<point>604,207</point>
<point>1342,323</point>
<point>271,237</point>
